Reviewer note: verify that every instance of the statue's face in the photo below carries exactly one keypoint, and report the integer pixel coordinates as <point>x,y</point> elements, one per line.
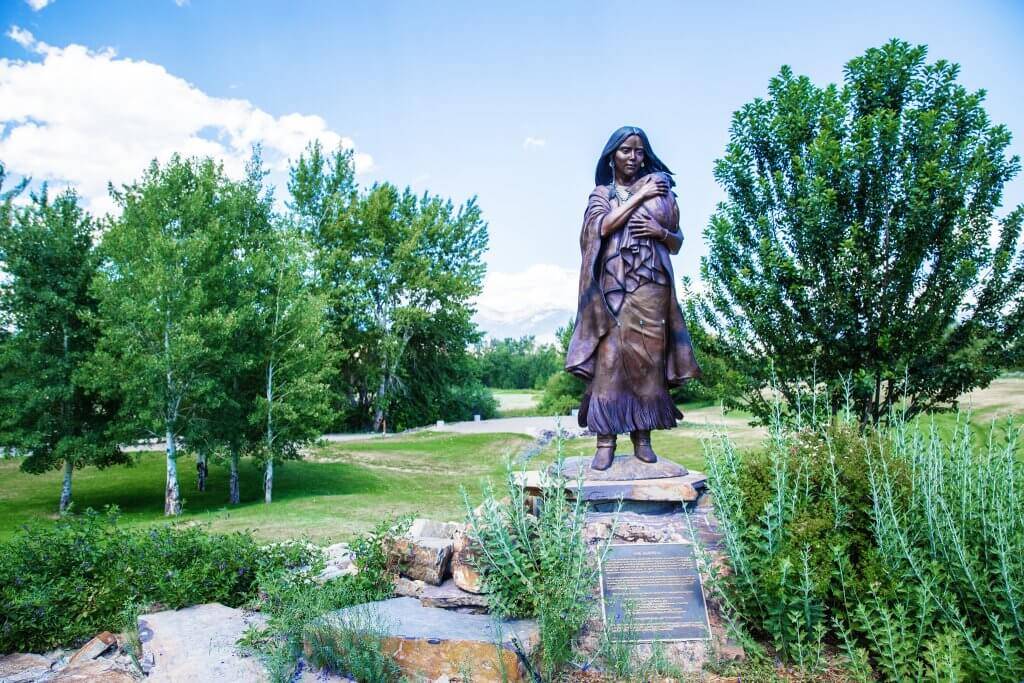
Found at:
<point>629,157</point>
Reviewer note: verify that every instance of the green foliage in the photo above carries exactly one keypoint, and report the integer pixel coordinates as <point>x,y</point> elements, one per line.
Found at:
<point>297,607</point>
<point>562,394</point>
<point>619,654</point>
<point>165,331</point>
<point>859,242</point>
<point>66,581</point>
<point>720,381</point>
<point>537,566</point>
<point>904,547</point>
<point>516,363</point>
<point>47,410</point>
<point>398,272</point>
<point>352,644</point>
<point>562,391</point>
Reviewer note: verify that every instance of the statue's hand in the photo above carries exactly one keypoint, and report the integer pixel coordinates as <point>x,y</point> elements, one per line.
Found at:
<point>642,225</point>
<point>655,186</point>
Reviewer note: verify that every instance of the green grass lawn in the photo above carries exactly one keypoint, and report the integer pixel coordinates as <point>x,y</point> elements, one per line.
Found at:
<point>344,488</point>
<point>339,490</point>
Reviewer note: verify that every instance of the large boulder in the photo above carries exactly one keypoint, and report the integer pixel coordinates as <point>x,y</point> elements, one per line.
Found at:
<point>431,643</point>
<point>425,559</point>
<point>429,528</point>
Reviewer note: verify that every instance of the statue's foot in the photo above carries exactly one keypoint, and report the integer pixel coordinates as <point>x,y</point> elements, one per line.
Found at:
<point>605,452</point>
<point>642,450</point>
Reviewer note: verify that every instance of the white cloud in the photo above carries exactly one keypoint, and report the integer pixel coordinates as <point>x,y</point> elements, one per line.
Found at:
<point>37,5</point>
<point>533,143</point>
<point>22,37</point>
<point>181,3</point>
<point>527,297</point>
<point>82,117</point>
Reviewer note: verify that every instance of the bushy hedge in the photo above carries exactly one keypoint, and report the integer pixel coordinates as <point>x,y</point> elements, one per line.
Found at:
<point>65,581</point>
<point>903,548</point>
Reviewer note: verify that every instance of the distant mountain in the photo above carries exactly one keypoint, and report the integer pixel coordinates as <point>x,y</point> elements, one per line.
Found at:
<point>540,324</point>
<point>536,301</point>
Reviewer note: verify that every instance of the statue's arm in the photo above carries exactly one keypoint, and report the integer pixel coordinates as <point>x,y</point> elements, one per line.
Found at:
<point>618,216</point>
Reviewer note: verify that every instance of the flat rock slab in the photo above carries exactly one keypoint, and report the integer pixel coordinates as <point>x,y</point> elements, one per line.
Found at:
<point>429,642</point>
<point>684,489</point>
<point>450,596</point>
<point>624,468</point>
<point>198,644</point>
<point>92,671</point>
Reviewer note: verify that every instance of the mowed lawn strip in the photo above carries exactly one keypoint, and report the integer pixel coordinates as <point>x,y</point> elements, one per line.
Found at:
<point>339,490</point>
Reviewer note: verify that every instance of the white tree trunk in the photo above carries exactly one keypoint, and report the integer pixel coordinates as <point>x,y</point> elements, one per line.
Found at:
<point>65,490</point>
<point>172,496</point>
<point>233,494</point>
<point>268,480</point>
<point>268,474</point>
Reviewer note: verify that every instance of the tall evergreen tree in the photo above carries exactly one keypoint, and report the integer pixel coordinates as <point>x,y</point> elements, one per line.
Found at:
<point>858,240</point>
<point>48,413</point>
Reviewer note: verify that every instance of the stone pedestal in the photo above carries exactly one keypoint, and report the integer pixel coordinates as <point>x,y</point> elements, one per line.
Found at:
<point>646,488</point>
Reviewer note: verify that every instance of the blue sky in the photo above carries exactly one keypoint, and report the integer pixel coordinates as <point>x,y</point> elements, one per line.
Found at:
<point>507,101</point>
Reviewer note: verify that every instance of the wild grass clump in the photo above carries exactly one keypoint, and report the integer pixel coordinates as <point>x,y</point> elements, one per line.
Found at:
<point>353,645</point>
<point>537,565</point>
<point>64,581</point>
<point>902,548</point>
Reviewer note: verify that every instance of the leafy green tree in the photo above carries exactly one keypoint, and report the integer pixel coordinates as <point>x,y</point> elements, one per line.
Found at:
<point>416,257</point>
<point>858,241</point>
<point>397,272</point>
<point>516,363</point>
<point>164,334</point>
<point>47,254</point>
<point>290,351</point>
<point>222,430</point>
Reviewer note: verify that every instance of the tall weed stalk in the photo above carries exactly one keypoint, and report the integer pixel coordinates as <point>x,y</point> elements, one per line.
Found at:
<point>537,565</point>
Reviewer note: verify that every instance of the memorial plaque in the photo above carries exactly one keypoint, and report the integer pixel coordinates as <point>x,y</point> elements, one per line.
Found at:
<point>658,583</point>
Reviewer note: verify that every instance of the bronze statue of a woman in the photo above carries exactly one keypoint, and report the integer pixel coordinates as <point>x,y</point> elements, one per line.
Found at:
<point>630,343</point>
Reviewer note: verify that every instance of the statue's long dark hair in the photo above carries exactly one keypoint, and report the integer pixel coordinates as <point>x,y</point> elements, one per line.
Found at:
<point>652,164</point>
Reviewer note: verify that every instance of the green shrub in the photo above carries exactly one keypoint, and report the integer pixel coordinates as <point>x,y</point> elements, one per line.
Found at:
<point>537,566</point>
<point>903,548</point>
<point>562,394</point>
<point>64,581</point>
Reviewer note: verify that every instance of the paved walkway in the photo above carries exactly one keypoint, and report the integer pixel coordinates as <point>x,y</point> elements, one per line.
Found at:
<point>533,427</point>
